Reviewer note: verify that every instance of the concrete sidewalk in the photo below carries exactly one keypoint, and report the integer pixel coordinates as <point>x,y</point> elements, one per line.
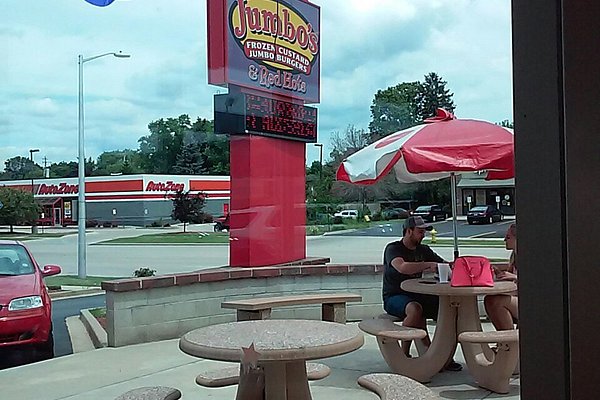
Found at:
<point>106,373</point>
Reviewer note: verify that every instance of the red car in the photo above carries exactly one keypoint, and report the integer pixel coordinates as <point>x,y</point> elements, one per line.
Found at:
<point>25,308</point>
<point>222,223</point>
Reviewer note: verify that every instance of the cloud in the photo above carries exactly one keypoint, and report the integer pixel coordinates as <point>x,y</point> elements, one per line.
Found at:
<point>365,46</point>
<point>44,107</point>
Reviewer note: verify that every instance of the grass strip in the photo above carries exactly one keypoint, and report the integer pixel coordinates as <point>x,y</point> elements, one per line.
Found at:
<point>174,238</point>
<point>99,312</point>
<point>28,236</point>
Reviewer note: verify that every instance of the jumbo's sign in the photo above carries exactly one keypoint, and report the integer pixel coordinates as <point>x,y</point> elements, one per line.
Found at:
<point>269,45</point>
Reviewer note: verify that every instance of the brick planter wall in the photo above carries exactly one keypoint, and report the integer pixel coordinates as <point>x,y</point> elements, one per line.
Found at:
<point>165,307</point>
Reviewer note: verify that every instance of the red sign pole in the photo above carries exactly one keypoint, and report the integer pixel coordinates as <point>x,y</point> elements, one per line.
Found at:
<point>268,211</point>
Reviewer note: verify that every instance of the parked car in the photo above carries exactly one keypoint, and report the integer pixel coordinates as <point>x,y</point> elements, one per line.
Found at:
<point>484,214</point>
<point>221,223</point>
<point>431,213</point>
<point>347,214</point>
<point>394,213</point>
<point>25,307</point>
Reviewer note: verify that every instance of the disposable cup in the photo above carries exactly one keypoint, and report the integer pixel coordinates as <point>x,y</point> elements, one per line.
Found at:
<point>443,272</point>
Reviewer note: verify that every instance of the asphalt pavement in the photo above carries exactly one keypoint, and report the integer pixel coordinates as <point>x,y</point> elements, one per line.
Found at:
<point>444,230</point>
<point>67,307</point>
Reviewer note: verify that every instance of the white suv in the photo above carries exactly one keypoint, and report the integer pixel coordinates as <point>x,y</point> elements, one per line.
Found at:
<point>347,214</point>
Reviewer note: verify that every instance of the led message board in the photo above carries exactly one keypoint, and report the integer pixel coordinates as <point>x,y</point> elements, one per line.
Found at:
<point>260,115</point>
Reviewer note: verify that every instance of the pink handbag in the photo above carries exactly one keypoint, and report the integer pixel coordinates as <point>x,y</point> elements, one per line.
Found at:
<point>472,271</point>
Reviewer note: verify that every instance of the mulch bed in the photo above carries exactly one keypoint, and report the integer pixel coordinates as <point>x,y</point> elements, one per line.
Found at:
<point>102,321</point>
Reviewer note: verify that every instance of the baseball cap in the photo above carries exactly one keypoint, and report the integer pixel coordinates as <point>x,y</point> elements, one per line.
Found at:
<point>416,222</point>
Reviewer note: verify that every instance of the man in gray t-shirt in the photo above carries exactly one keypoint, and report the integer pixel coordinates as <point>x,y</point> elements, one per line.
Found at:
<point>408,259</point>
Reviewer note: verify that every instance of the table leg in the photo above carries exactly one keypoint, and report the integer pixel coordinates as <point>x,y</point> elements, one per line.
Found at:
<point>491,371</point>
<point>286,381</point>
<point>468,321</point>
<point>430,361</point>
<point>251,384</point>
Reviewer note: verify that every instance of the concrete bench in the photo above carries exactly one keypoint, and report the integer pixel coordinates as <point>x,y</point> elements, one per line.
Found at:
<point>151,393</point>
<point>333,305</point>
<point>231,375</point>
<point>492,374</point>
<point>396,387</point>
<point>390,336</point>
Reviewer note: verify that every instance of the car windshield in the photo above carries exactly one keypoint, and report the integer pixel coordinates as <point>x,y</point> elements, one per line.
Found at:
<point>482,208</point>
<point>423,208</point>
<point>14,260</point>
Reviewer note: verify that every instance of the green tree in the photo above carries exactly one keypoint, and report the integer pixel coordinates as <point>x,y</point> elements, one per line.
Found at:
<point>21,168</point>
<point>64,169</point>
<point>203,150</point>
<point>115,162</point>
<point>348,142</point>
<point>394,109</point>
<point>400,107</point>
<point>18,207</point>
<point>190,160</point>
<point>408,104</point>
<point>506,124</point>
<point>432,94</point>
<point>187,207</point>
<point>158,150</point>
<point>176,144</point>
<point>319,183</point>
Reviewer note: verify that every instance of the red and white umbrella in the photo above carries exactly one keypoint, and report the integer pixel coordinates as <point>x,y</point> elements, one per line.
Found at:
<point>441,147</point>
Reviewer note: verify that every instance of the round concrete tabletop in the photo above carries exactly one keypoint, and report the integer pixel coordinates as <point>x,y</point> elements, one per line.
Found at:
<point>444,289</point>
<point>274,340</point>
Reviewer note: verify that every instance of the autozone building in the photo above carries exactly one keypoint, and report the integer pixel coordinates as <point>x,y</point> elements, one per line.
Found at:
<point>124,199</point>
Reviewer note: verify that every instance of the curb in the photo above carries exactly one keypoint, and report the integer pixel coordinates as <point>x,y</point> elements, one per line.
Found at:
<point>94,329</point>
<point>75,293</point>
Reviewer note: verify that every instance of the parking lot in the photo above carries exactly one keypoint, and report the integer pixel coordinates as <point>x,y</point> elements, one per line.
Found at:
<point>444,229</point>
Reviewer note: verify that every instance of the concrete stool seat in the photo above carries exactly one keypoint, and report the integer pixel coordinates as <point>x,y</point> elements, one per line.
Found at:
<point>493,374</point>
<point>151,393</point>
<point>396,387</point>
<point>383,327</point>
<point>231,375</point>
<point>389,339</point>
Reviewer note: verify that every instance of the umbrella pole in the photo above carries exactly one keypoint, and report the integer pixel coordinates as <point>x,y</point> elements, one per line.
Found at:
<point>454,211</point>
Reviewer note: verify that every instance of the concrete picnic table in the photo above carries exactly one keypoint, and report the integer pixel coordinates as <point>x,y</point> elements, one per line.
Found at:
<point>458,312</point>
<point>282,346</point>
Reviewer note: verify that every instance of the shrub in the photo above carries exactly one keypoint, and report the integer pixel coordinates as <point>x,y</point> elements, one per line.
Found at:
<point>144,271</point>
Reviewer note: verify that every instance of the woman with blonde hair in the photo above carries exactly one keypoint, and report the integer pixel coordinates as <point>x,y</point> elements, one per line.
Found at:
<point>503,310</point>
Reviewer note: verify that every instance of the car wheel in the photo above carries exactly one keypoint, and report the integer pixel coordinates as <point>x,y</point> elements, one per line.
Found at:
<point>218,227</point>
<point>45,351</point>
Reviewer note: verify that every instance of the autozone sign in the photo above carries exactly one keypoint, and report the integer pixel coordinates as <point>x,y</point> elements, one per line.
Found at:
<point>168,186</point>
<point>61,188</point>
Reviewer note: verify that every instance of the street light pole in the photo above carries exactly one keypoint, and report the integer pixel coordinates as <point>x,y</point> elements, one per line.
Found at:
<point>81,214</point>
<point>31,151</point>
<point>320,146</point>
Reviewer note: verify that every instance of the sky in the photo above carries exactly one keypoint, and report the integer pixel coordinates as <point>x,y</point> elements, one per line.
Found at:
<point>365,46</point>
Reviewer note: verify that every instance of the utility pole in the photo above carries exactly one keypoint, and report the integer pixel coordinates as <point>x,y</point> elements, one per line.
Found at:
<point>46,174</point>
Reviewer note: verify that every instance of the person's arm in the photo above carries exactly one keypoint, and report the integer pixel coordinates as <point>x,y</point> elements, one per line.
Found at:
<point>431,255</point>
<point>506,276</point>
<point>410,268</point>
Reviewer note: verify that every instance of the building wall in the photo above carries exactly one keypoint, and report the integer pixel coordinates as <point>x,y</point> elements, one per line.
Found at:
<point>127,199</point>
